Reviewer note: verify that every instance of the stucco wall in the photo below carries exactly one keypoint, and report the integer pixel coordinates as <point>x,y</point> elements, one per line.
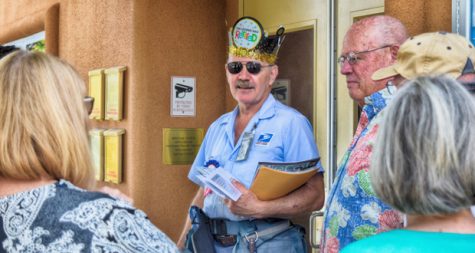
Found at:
<point>155,39</point>
<point>98,34</point>
<point>421,16</point>
<point>173,38</point>
<point>232,15</point>
<point>88,38</point>
<point>12,11</point>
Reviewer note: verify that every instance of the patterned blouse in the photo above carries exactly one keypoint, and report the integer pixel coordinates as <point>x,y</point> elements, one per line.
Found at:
<point>352,210</point>
<point>61,217</point>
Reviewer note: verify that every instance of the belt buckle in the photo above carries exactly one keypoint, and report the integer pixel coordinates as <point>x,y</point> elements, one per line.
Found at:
<point>226,240</point>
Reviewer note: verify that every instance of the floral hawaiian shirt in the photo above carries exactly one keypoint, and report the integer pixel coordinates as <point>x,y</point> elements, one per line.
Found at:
<point>353,212</point>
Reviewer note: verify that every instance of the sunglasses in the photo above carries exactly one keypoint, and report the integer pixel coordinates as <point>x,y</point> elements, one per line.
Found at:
<point>89,103</point>
<point>252,67</point>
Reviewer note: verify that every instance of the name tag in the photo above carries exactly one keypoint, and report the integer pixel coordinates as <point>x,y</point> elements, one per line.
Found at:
<point>245,146</point>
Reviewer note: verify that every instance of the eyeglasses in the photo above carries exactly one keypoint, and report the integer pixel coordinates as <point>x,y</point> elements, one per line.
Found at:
<point>252,67</point>
<point>390,87</point>
<point>352,57</point>
<point>89,103</point>
<point>470,86</point>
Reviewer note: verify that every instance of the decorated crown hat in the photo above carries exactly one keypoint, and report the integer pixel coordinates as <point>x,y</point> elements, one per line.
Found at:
<point>248,39</point>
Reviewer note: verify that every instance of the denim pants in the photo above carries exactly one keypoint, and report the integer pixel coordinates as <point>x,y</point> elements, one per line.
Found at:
<point>290,241</point>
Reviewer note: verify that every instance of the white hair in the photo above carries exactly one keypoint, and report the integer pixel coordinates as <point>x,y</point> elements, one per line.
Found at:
<point>423,160</point>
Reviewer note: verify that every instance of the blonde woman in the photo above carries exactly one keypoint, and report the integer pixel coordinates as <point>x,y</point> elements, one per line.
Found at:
<point>45,168</point>
<point>423,165</point>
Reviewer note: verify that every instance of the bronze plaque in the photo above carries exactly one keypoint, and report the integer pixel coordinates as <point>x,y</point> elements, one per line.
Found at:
<point>180,145</point>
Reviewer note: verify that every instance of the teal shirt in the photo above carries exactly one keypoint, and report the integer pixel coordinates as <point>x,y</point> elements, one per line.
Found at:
<point>410,241</point>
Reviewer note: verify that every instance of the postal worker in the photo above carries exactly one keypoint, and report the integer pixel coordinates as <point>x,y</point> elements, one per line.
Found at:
<point>259,129</point>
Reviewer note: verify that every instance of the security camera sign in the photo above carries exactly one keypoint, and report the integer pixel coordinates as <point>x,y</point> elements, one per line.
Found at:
<point>183,96</point>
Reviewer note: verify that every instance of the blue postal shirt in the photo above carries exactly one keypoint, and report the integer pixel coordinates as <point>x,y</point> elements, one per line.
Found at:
<point>282,134</point>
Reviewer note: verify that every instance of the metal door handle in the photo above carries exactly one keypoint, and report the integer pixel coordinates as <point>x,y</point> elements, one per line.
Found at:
<point>316,222</point>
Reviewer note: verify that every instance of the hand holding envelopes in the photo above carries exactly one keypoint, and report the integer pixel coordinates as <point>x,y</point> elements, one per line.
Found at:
<point>274,180</point>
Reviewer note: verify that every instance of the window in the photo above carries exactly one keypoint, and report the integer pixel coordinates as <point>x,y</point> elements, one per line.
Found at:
<point>35,42</point>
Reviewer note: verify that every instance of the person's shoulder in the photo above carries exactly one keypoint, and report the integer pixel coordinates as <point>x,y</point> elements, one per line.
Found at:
<point>72,214</point>
<point>116,223</point>
<point>402,240</point>
<point>283,108</point>
<point>288,113</point>
<point>222,119</point>
<point>67,190</point>
<point>81,201</point>
<point>383,242</point>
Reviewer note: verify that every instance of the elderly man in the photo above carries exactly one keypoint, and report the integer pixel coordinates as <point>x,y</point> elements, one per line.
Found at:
<point>426,54</point>
<point>430,54</point>
<point>258,129</point>
<point>352,210</point>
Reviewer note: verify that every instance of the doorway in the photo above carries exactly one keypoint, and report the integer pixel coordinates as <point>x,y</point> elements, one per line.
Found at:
<point>296,75</point>
<point>313,84</point>
<point>303,79</point>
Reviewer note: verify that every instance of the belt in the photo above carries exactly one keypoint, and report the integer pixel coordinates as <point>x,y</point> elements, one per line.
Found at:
<point>226,240</point>
<point>224,227</point>
<point>226,232</point>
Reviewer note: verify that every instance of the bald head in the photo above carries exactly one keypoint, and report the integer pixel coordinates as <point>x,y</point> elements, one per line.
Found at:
<point>375,40</point>
<point>376,31</point>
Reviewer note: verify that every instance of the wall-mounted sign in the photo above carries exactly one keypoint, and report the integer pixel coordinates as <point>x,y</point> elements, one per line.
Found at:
<point>281,90</point>
<point>183,94</point>
<point>114,82</point>
<point>180,145</point>
<point>96,90</point>
<point>97,149</point>
<point>113,141</point>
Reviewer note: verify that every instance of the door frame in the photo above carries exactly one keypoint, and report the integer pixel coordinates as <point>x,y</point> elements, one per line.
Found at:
<point>318,21</point>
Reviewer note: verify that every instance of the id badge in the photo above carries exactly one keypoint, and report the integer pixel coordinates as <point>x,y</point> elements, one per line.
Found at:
<point>245,146</point>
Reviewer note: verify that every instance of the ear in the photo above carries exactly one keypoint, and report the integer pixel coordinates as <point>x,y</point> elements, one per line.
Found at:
<point>394,49</point>
<point>274,72</point>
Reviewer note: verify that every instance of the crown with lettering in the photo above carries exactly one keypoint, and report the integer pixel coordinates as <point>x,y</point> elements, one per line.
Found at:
<point>248,39</point>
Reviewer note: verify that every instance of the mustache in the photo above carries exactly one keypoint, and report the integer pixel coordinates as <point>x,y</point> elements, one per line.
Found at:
<point>243,84</point>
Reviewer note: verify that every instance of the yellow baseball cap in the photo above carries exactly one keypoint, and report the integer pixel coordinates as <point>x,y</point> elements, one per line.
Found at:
<point>431,54</point>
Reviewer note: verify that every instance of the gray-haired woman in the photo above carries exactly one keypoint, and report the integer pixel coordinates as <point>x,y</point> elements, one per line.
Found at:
<point>424,166</point>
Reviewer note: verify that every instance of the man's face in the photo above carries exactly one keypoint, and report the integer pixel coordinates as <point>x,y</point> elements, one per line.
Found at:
<point>358,74</point>
<point>251,89</point>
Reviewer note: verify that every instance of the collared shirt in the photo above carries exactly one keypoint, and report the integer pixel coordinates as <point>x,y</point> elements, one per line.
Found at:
<point>353,211</point>
<point>282,134</point>
<point>403,240</point>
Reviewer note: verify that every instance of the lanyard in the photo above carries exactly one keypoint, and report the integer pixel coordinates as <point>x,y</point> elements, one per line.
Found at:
<point>246,143</point>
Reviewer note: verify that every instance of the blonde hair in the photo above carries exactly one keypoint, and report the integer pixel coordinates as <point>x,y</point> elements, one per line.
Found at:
<point>43,121</point>
<point>423,161</point>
